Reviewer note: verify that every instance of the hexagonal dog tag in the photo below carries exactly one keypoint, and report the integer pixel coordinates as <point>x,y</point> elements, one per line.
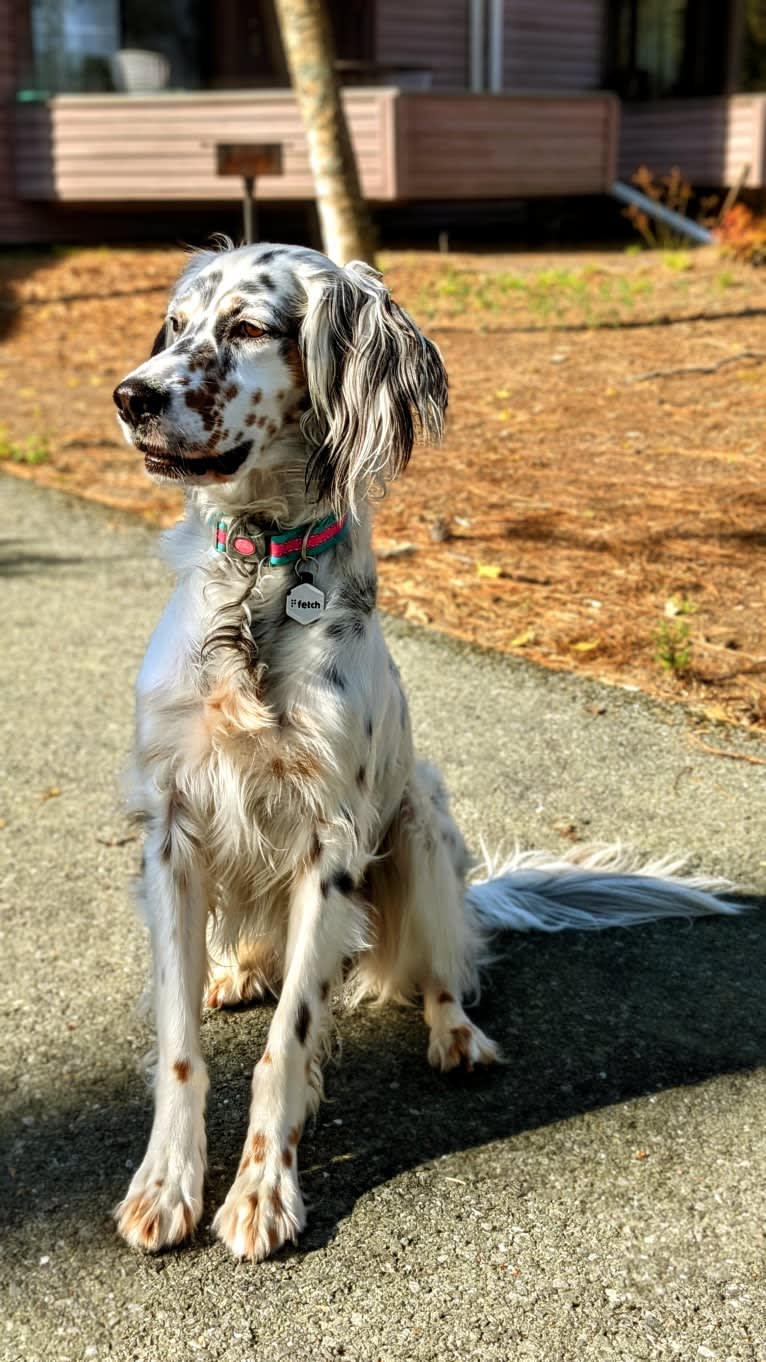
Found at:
<point>304,603</point>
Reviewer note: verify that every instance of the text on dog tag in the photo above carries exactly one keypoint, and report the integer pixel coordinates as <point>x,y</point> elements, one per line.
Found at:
<point>304,603</point>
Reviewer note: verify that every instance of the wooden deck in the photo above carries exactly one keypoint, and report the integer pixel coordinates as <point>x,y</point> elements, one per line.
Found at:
<point>710,140</point>
<point>111,149</point>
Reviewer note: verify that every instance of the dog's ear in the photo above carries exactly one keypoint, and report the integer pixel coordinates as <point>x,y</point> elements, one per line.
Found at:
<point>375,383</point>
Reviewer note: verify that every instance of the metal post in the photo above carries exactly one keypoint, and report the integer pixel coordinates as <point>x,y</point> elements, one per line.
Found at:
<point>248,208</point>
<point>627,194</point>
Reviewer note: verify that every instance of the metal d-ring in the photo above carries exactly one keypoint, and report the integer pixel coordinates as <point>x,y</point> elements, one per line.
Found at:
<point>306,567</point>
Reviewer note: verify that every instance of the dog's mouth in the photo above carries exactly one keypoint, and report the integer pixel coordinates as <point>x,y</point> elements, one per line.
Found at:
<point>193,467</point>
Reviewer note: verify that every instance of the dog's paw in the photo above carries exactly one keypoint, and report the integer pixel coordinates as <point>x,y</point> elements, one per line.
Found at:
<point>248,976</point>
<point>465,1044</point>
<point>230,987</point>
<point>263,1211</point>
<point>160,1209</point>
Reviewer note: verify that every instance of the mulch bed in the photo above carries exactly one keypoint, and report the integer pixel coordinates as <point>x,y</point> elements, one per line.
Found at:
<point>599,502</point>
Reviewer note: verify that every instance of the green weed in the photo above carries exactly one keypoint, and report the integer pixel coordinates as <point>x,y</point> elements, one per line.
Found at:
<point>32,451</point>
<point>673,646</point>
<point>680,261</point>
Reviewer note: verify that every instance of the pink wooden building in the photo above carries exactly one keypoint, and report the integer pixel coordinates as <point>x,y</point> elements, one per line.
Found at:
<point>447,100</point>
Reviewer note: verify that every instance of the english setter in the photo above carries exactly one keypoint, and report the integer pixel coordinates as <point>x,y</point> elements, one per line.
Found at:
<point>292,839</point>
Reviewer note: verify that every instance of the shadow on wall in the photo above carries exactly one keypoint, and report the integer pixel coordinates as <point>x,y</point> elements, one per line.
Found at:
<point>585,1021</point>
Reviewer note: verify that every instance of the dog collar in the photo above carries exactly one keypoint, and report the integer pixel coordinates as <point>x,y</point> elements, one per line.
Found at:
<point>241,540</point>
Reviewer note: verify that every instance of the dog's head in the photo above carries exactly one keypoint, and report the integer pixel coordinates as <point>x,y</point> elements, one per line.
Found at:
<point>271,355</point>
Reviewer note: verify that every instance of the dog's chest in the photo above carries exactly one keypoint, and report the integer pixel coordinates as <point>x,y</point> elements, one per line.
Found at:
<point>248,743</point>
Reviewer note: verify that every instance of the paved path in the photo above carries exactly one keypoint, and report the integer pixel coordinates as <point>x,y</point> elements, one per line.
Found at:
<point>600,1197</point>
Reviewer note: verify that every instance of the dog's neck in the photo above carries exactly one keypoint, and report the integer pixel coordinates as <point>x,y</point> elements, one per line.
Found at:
<point>275,494</point>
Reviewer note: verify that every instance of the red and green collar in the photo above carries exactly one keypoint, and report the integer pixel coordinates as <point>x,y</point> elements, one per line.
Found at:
<point>242,540</point>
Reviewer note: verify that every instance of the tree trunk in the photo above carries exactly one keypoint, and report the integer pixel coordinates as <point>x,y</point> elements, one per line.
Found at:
<point>343,217</point>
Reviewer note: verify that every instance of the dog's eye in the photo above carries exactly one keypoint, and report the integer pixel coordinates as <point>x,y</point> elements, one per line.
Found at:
<point>249,330</point>
<point>175,324</point>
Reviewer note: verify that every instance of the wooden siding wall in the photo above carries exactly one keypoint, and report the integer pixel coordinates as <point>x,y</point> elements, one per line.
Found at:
<point>505,146</point>
<point>162,148</point>
<point>553,44</point>
<point>427,33</point>
<point>710,140</point>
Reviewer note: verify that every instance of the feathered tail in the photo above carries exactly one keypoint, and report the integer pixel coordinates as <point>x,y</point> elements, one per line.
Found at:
<point>595,888</point>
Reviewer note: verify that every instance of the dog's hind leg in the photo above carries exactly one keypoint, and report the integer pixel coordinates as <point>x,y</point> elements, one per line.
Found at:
<point>264,1207</point>
<point>426,941</point>
<point>164,1200</point>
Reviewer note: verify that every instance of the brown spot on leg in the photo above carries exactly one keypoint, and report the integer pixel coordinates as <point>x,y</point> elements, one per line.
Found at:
<point>459,1048</point>
<point>276,1201</point>
<point>265,1057</point>
<point>445,997</point>
<point>294,1136</point>
<point>182,1069</point>
<point>287,1157</point>
<point>258,1147</point>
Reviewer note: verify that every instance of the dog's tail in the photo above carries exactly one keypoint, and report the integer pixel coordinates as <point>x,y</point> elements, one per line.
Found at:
<point>594,888</point>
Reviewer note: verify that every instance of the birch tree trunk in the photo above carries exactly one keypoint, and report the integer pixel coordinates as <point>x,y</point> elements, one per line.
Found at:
<point>308,43</point>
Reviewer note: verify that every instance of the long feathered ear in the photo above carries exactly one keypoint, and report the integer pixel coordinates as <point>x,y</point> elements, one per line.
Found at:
<point>375,382</point>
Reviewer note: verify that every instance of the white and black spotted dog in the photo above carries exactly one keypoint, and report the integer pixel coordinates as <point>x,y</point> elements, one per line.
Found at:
<point>290,833</point>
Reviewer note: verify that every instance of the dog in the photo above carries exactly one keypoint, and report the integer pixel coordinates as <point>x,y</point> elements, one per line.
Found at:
<point>293,843</point>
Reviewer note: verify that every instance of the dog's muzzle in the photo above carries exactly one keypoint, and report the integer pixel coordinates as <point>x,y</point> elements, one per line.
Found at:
<point>140,406</point>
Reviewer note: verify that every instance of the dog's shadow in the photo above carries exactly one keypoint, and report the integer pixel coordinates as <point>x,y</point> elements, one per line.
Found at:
<point>584,1021</point>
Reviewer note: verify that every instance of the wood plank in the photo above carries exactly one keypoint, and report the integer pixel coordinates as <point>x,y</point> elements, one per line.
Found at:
<point>709,140</point>
<point>116,149</point>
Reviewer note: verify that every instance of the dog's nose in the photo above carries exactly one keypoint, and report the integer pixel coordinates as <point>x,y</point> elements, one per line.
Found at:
<point>135,399</point>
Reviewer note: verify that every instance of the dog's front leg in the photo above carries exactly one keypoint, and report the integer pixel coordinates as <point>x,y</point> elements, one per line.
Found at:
<point>164,1200</point>
<point>264,1207</point>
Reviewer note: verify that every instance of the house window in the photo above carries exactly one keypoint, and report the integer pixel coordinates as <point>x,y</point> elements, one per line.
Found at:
<point>754,45</point>
<point>73,41</point>
<point>209,44</point>
<point>658,49</point>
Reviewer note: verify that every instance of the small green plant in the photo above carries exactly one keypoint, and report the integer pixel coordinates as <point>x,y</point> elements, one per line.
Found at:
<point>673,646</point>
<point>679,605</point>
<point>680,261</point>
<point>33,451</point>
